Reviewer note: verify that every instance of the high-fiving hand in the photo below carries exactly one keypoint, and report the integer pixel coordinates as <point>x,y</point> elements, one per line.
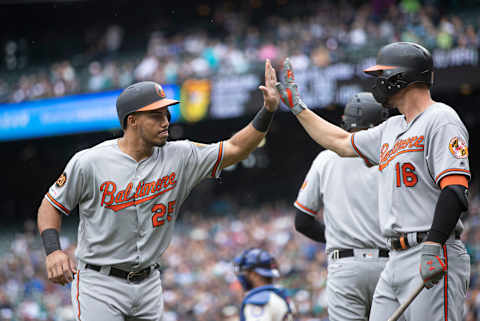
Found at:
<point>271,98</point>
<point>289,92</point>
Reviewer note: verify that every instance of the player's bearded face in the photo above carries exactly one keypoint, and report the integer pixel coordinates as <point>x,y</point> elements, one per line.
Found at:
<point>153,126</point>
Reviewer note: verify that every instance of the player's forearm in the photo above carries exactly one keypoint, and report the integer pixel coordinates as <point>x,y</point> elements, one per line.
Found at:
<point>310,227</point>
<point>48,217</point>
<point>240,145</point>
<point>453,200</point>
<point>326,134</point>
<point>49,221</point>
<point>246,140</point>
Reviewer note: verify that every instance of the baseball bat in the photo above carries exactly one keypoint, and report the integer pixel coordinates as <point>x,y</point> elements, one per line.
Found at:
<point>405,305</point>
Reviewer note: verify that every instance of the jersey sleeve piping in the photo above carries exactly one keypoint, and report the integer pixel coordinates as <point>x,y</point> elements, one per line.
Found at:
<point>451,171</point>
<point>305,209</point>
<point>57,205</point>
<point>367,161</point>
<point>219,160</point>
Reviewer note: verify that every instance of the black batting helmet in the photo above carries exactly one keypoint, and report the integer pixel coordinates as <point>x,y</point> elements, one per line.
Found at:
<point>399,65</point>
<point>142,96</point>
<point>363,111</point>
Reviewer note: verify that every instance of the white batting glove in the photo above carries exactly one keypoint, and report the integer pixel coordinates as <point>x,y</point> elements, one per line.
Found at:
<point>289,94</point>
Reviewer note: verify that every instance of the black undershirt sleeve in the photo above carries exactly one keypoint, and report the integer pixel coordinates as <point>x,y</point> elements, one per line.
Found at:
<point>309,226</point>
<point>453,200</point>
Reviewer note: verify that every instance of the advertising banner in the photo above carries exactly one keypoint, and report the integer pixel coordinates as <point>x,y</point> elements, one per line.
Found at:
<point>67,115</point>
<point>225,96</point>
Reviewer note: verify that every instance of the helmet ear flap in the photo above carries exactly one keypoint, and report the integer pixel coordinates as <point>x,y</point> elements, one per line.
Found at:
<point>240,267</point>
<point>388,85</point>
<point>359,111</point>
<point>397,82</point>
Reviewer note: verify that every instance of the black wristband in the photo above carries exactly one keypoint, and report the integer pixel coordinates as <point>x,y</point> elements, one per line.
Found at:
<point>51,240</point>
<point>263,119</point>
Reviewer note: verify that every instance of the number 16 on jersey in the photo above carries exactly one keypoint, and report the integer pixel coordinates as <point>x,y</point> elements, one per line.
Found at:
<point>405,174</point>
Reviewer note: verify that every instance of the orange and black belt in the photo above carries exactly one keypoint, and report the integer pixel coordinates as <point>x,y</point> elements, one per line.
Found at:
<point>404,242</point>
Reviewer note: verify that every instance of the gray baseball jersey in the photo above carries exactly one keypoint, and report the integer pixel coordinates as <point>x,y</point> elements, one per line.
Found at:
<point>347,190</point>
<point>127,208</point>
<point>412,160</point>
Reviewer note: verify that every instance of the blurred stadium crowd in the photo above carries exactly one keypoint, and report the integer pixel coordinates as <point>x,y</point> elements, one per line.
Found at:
<point>198,279</point>
<point>197,273</point>
<point>318,33</point>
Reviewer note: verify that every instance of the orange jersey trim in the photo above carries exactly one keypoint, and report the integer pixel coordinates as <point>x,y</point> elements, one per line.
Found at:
<point>219,158</point>
<point>57,203</point>
<point>451,170</point>
<point>78,293</point>
<point>454,179</point>
<point>445,284</point>
<point>305,208</point>
<point>358,152</point>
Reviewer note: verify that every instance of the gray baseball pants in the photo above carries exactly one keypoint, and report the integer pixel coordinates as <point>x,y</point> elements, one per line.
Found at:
<point>98,296</point>
<point>445,301</point>
<point>350,286</point>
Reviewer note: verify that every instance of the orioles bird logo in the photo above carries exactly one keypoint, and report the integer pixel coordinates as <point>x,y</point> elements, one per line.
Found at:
<point>458,147</point>
<point>160,91</point>
<point>61,180</point>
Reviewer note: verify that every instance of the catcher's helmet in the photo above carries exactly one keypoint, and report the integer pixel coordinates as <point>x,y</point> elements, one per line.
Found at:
<point>363,111</point>
<point>257,260</point>
<point>399,65</point>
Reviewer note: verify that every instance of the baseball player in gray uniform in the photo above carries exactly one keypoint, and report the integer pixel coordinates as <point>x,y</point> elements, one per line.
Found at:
<point>129,192</point>
<point>422,156</point>
<point>347,190</point>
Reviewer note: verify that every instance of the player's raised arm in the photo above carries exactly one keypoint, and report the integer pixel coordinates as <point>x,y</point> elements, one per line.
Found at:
<point>324,133</point>
<point>240,145</point>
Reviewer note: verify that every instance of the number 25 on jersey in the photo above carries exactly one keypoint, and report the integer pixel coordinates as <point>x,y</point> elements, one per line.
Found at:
<point>406,174</point>
<point>159,210</point>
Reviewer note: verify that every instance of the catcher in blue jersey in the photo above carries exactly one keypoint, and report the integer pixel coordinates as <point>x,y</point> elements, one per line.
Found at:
<point>263,301</point>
